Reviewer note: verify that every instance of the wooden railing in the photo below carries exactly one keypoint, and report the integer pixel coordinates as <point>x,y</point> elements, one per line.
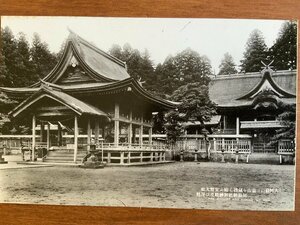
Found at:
<point>128,154</point>
<point>215,144</point>
<point>286,147</point>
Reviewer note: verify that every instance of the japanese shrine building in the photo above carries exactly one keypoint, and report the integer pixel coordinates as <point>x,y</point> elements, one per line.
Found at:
<point>91,92</point>
<point>248,106</point>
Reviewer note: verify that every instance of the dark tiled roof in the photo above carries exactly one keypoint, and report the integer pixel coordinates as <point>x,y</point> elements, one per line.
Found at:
<point>226,89</point>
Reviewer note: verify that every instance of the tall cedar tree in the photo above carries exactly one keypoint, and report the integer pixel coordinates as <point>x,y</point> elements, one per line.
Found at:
<point>284,50</point>
<point>3,68</point>
<point>227,65</point>
<point>184,68</point>
<point>9,50</point>
<point>256,51</point>
<point>25,71</point>
<point>42,59</point>
<point>139,65</point>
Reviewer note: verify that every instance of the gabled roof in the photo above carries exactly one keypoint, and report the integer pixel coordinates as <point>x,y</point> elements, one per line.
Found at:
<point>72,103</point>
<point>235,90</point>
<point>99,65</point>
<point>267,82</point>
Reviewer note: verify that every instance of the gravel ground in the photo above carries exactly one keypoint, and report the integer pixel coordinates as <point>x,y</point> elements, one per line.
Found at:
<point>176,185</point>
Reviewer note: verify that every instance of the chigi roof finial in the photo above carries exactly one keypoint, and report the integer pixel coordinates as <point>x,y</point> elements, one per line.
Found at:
<point>267,66</point>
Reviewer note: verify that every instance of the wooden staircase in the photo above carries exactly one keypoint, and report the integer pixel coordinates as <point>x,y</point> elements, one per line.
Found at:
<point>64,156</point>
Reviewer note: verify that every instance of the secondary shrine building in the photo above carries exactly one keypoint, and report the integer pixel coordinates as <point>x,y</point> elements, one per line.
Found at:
<point>248,106</point>
<point>89,93</point>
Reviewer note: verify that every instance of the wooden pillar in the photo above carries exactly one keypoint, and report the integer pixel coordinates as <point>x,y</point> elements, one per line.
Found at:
<point>75,138</point>
<point>130,128</point>
<point>224,122</point>
<point>141,135</point>
<point>59,136</point>
<point>122,157</point>
<point>150,136</point>
<point>89,134</point>
<point>33,137</point>
<point>48,136</point>
<point>117,124</point>
<point>103,132</point>
<point>151,157</point>
<point>97,131</point>
<point>133,134</point>
<point>186,140</point>
<point>237,125</point>
<point>215,144</point>
<point>128,156</point>
<point>42,132</point>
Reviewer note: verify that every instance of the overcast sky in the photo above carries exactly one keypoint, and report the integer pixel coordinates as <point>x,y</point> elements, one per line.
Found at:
<point>162,37</point>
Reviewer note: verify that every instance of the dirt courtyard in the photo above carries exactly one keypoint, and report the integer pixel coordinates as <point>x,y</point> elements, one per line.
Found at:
<point>204,185</point>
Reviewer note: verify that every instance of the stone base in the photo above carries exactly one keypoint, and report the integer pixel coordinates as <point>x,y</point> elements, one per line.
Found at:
<point>92,165</point>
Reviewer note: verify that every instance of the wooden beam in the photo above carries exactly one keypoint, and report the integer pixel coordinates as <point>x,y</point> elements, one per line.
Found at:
<point>33,137</point>
<point>75,138</point>
<point>53,113</point>
<point>52,108</point>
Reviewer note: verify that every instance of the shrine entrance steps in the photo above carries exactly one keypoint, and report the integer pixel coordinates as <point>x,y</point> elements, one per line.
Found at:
<point>64,156</point>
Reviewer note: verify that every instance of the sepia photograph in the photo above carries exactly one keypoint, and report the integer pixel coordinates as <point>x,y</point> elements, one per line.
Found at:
<point>148,112</point>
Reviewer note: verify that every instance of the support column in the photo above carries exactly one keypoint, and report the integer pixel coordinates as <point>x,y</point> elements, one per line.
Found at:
<point>150,136</point>
<point>141,133</point>
<point>75,138</point>
<point>130,128</point>
<point>59,139</point>
<point>237,125</point>
<point>89,135</point>
<point>133,134</point>
<point>97,131</point>
<point>48,136</point>
<point>33,137</point>
<point>237,133</point>
<point>117,124</point>
<point>42,132</point>
<point>103,132</point>
<point>215,144</point>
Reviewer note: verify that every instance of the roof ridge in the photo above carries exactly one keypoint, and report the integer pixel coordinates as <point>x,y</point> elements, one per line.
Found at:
<point>75,37</point>
<point>251,74</point>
